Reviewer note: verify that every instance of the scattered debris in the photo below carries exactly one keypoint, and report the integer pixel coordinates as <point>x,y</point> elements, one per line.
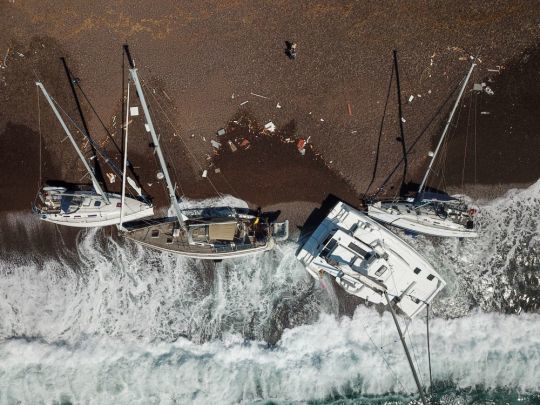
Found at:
<point>331,162</point>
<point>147,127</point>
<point>497,70</point>
<point>430,153</point>
<point>403,119</point>
<point>149,184</point>
<point>216,144</point>
<point>166,95</point>
<point>354,132</point>
<point>204,174</point>
<point>270,126</point>
<point>478,86</point>
<point>5,59</point>
<point>349,108</point>
<point>278,105</point>
<point>485,113</point>
<point>245,143</point>
<point>302,152</point>
<point>489,91</point>
<point>20,54</point>
<point>322,120</point>
<point>160,175</point>
<point>301,143</point>
<point>111,177</point>
<point>258,95</point>
<point>193,135</point>
<point>232,97</point>
<point>217,171</point>
<point>411,98</point>
<point>221,132</point>
<point>233,146</point>
<point>429,92</point>
<point>245,102</point>
<point>134,111</point>
<point>204,138</point>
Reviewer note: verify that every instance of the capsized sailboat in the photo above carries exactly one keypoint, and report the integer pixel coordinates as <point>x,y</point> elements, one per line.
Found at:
<point>369,261</point>
<point>430,213</point>
<point>82,208</point>
<point>209,233</point>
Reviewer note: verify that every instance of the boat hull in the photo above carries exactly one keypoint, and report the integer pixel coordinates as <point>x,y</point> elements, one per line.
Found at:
<point>417,224</point>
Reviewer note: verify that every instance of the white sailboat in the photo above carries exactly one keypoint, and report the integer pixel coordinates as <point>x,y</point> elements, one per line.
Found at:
<point>369,261</point>
<point>209,233</point>
<point>430,213</point>
<point>85,208</point>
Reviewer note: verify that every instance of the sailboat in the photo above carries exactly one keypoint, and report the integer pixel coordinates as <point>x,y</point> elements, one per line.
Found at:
<point>429,212</point>
<point>214,233</point>
<point>82,208</point>
<point>367,260</point>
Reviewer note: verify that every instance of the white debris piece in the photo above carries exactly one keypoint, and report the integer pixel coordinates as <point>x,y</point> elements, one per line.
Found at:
<point>160,175</point>
<point>411,98</point>
<point>134,111</point>
<point>221,132</point>
<point>245,102</point>
<point>478,87</point>
<point>147,127</point>
<point>489,91</point>
<point>270,126</point>
<point>403,119</point>
<point>485,113</point>
<point>233,146</point>
<point>215,144</point>
<point>322,120</point>
<point>205,173</point>
<point>278,105</point>
<point>111,177</point>
<point>217,171</point>
<point>430,153</point>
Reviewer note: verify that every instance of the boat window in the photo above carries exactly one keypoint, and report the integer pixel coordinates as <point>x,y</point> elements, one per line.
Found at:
<point>92,215</point>
<point>155,233</point>
<point>97,203</point>
<point>381,270</point>
<point>354,227</point>
<point>118,205</point>
<point>86,202</point>
<point>358,249</point>
<point>169,240</point>
<point>430,277</point>
<point>417,270</point>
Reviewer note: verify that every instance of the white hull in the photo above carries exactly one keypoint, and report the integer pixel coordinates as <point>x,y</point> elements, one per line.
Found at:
<point>365,258</point>
<point>88,210</point>
<point>419,223</point>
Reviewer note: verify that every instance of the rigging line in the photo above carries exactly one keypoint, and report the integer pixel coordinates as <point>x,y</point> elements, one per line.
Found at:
<point>183,142</point>
<point>429,350</point>
<point>475,121</point>
<point>99,151</point>
<point>465,151</point>
<point>40,140</point>
<point>414,353</point>
<point>381,352</point>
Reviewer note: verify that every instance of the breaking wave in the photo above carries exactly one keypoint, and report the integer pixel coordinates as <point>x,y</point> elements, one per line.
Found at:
<point>127,325</point>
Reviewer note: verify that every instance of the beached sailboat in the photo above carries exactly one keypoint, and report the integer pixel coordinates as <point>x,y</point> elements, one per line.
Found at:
<point>207,233</point>
<point>428,212</point>
<point>78,207</point>
<point>369,261</point>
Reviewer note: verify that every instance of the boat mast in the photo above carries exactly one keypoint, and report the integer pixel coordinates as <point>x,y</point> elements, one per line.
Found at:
<point>124,169</point>
<point>424,180</point>
<point>409,359</point>
<point>163,164</point>
<point>95,182</point>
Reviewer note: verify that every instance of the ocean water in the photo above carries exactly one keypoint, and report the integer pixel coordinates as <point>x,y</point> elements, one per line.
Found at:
<point>121,324</point>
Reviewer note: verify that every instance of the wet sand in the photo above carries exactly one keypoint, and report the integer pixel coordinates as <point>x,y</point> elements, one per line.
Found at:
<point>202,62</point>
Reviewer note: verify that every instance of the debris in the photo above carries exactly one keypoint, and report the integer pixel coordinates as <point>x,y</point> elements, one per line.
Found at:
<point>430,153</point>
<point>489,91</point>
<point>221,131</point>
<point>204,138</point>
<point>217,171</point>
<point>166,95</point>
<point>215,144</point>
<point>258,95</point>
<point>308,138</point>
<point>193,135</point>
<point>302,152</point>
<point>411,98</point>
<point>419,95</point>
<point>403,119</point>
<point>309,113</point>
<point>485,113</point>
<point>160,175</point>
<point>134,111</point>
<point>205,173</point>
<point>354,132</point>
<point>111,177</point>
<point>245,102</point>
<point>497,70</point>
<point>429,92</point>
<point>270,126</point>
<point>462,58</point>
<point>300,144</point>
<point>349,108</point>
<point>478,87</point>
<point>233,146</point>
<point>278,105</point>
<point>147,127</point>
<point>322,120</point>
<point>5,58</point>
<point>331,162</point>
<point>149,184</point>
<point>245,143</point>
<point>20,54</point>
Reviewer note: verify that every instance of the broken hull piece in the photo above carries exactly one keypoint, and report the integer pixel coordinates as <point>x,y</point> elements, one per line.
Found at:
<point>435,219</point>
<point>87,209</point>
<point>366,260</point>
<point>211,238</point>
